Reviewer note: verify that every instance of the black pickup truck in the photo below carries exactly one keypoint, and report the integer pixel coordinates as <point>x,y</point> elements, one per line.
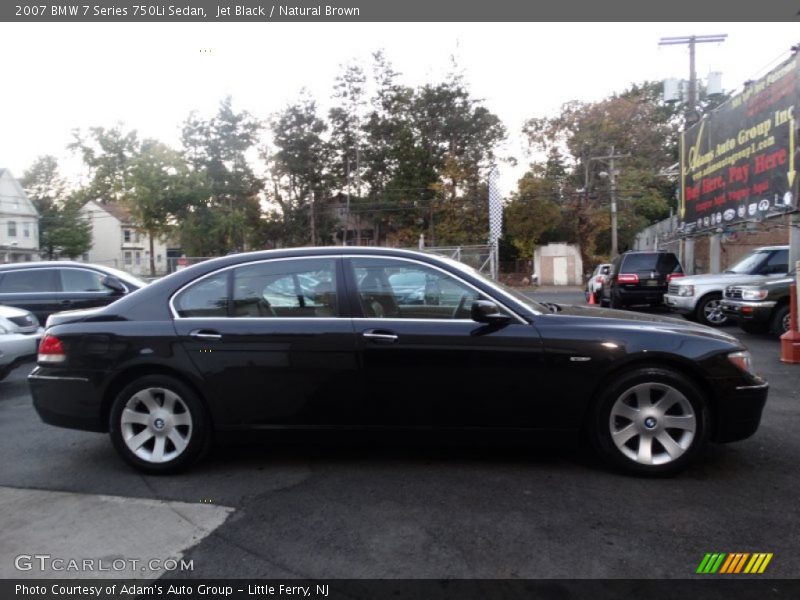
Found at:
<point>759,308</point>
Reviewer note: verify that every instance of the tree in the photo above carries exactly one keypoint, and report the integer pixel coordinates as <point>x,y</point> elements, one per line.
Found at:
<point>162,189</point>
<point>532,212</point>
<point>62,229</point>
<point>300,173</point>
<point>218,149</point>
<point>346,126</point>
<point>107,153</point>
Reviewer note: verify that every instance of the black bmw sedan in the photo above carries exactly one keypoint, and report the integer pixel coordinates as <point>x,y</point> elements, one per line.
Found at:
<point>317,338</point>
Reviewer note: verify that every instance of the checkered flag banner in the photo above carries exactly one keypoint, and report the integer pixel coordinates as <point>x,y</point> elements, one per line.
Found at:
<point>495,207</point>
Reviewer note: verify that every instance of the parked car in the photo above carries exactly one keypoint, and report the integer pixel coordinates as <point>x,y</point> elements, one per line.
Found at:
<point>19,338</point>
<point>760,308</point>
<point>594,286</point>
<point>52,286</point>
<point>699,297</point>
<point>164,368</point>
<point>639,278</point>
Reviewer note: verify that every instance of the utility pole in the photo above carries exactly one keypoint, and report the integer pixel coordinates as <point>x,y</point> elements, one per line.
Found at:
<point>612,179</point>
<point>692,115</point>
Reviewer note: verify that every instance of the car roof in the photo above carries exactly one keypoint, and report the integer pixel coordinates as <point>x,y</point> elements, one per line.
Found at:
<point>41,264</point>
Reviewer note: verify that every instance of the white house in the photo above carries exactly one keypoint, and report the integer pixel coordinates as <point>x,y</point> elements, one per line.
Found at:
<point>118,242</point>
<point>19,222</point>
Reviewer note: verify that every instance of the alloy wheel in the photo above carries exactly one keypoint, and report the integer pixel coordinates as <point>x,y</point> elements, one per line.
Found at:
<point>712,311</point>
<point>652,423</point>
<point>156,425</point>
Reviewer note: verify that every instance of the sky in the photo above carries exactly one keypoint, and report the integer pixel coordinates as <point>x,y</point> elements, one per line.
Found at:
<point>150,76</point>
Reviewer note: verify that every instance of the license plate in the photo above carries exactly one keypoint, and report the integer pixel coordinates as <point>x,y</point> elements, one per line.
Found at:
<point>652,282</point>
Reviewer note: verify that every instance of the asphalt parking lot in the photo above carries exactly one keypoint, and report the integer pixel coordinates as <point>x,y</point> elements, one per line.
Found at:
<point>360,508</point>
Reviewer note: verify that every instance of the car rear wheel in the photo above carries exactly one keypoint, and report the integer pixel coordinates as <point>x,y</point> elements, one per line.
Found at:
<point>781,321</point>
<point>159,425</point>
<point>651,421</point>
<point>709,311</point>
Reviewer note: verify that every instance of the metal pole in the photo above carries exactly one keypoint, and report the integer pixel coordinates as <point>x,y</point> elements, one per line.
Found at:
<point>613,181</point>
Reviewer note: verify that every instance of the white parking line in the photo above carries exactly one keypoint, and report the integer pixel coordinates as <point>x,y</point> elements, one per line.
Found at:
<point>47,534</point>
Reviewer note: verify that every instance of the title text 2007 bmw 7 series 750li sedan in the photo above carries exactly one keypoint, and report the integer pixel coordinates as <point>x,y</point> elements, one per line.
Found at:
<point>333,338</point>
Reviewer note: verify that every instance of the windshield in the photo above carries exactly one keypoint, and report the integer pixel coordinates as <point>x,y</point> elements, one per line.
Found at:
<point>749,264</point>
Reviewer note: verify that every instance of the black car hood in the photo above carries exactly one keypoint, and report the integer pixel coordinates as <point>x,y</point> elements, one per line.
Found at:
<point>625,317</point>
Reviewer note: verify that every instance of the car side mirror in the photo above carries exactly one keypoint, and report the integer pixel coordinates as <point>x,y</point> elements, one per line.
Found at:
<point>114,284</point>
<point>484,311</point>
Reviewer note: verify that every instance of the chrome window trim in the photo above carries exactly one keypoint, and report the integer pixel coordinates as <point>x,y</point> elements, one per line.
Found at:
<point>174,295</point>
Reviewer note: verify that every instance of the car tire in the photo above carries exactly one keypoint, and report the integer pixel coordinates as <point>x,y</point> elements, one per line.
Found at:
<point>753,327</point>
<point>709,312</point>
<point>629,422</point>
<point>614,302</point>
<point>158,424</point>
<point>781,320</point>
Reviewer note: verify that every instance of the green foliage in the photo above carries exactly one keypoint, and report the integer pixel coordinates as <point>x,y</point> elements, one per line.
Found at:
<point>62,229</point>
<point>532,212</point>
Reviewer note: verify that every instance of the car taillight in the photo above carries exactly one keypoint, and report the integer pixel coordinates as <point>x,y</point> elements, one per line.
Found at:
<point>51,350</point>
<point>627,278</point>
<point>599,279</point>
<point>672,276</point>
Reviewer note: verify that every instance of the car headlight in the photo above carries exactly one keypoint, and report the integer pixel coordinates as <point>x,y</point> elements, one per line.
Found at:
<point>742,360</point>
<point>686,290</point>
<point>754,294</point>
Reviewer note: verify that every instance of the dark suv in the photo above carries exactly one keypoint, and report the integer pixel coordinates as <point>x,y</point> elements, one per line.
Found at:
<point>760,308</point>
<point>640,278</point>
<point>48,287</point>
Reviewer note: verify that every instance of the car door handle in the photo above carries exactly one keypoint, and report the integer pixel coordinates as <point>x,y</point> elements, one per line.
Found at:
<point>378,335</point>
<point>205,334</point>
<point>66,303</point>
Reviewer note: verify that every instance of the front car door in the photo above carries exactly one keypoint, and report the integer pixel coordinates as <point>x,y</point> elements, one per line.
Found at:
<point>82,288</point>
<point>425,362</point>
<point>273,341</point>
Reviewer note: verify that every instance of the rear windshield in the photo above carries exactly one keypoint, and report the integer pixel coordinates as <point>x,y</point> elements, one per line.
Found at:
<point>659,262</point>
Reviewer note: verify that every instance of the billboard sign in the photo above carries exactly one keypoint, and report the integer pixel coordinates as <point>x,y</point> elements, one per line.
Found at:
<point>739,162</point>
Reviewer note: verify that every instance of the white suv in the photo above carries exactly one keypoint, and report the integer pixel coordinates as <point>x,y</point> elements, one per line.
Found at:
<point>698,297</point>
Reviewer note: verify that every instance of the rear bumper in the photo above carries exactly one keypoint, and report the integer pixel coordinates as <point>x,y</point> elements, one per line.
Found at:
<point>18,348</point>
<point>69,400</point>
<point>640,295</point>
<point>739,412</point>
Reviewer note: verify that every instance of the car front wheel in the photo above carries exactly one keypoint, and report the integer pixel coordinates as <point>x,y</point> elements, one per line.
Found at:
<point>651,421</point>
<point>781,321</point>
<point>709,311</point>
<point>159,425</point>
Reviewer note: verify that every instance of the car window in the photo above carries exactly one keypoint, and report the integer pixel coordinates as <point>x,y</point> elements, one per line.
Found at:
<point>82,280</point>
<point>30,281</point>
<point>639,262</point>
<point>286,288</point>
<point>778,263</point>
<point>206,298</point>
<point>750,264</point>
<point>391,288</point>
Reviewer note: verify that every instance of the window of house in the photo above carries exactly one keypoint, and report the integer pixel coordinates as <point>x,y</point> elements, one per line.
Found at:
<point>126,235</point>
<point>26,230</point>
<point>128,258</point>
<point>12,229</point>
<point>138,259</point>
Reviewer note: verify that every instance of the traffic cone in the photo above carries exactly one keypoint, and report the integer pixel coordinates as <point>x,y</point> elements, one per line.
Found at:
<point>591,298</point>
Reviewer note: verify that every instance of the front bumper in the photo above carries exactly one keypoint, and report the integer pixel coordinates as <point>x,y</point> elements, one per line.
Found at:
<point>758,312</point>
<point>739,412</point>
<point>68,399</point>
<point>16,348</point>
<point>680,304</point>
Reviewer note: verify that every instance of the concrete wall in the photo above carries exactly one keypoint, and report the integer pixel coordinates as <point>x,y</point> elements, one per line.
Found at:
<point>558,264</point>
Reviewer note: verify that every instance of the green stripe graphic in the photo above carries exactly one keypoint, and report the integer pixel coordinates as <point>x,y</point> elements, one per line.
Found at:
<point>711,563</point>
<point>718,563</point>
<point>703,563</point>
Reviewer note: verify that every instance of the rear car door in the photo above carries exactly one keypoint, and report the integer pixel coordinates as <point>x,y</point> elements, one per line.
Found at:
<point>273,341</point>
<point>36,290</point>
<point>425,362</point>
<point>82,288</point>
